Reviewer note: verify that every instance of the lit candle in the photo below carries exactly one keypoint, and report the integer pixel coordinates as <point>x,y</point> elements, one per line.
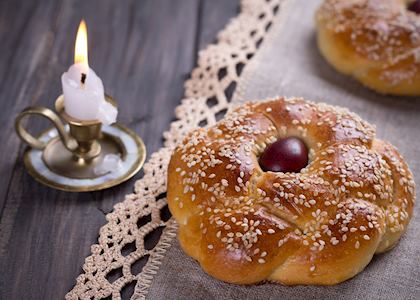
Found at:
<point>83,90</point>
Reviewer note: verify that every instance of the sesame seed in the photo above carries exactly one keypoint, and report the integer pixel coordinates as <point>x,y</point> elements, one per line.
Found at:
<point>312,268</point>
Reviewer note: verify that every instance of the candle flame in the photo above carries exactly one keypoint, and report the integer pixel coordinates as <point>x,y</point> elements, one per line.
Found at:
<point>81,47</point>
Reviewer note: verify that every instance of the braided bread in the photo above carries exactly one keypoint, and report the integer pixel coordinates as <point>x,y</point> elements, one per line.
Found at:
<point>321,225</point>
<point>375,41</point>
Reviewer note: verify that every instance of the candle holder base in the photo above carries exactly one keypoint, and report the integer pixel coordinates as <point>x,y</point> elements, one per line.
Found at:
<point>59,168</point>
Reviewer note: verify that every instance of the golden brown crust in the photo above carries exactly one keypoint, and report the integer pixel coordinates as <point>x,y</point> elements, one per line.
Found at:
<point>376,41</point>
<point>244,225</point>
<point>398,213</point>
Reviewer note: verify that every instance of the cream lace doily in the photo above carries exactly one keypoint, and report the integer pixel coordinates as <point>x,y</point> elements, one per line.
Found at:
<point>207,93</point>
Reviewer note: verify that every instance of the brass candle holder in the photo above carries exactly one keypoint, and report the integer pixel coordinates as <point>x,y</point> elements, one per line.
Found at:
<point>70,157</point>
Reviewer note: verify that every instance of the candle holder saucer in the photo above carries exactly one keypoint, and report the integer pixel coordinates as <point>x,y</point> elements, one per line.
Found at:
<point>69,157</point>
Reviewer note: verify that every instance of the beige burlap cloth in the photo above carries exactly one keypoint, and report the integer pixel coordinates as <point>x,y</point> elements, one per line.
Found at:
<point>289,63</point>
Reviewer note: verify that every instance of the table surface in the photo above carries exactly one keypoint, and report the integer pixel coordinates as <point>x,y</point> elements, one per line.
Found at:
<point>143,50</point>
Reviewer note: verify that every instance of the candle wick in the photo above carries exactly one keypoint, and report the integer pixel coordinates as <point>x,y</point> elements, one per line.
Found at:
<point>83,79</point>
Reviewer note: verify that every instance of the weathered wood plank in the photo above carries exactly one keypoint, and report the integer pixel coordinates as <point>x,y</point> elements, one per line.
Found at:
<point>24,48</point>
<point>142,50</point>
<point>215,14</point>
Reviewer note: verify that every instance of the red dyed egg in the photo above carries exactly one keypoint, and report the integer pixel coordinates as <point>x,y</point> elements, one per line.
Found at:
<point>285,155</point>
<point>415,6</point>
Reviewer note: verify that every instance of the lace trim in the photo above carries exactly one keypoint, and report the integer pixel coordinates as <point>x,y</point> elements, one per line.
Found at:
<point>208,93</point>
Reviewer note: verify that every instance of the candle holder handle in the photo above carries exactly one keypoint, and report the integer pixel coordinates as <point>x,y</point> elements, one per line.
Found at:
<point>69,142</point>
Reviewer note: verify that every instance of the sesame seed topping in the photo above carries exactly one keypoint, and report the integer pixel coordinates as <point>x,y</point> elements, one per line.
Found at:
<point>312,268</point>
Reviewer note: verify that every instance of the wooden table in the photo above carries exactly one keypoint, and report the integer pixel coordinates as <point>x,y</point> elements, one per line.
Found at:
<point>143,50</point>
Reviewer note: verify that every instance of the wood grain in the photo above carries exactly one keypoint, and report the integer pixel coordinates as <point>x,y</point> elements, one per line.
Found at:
<point>143,51</point>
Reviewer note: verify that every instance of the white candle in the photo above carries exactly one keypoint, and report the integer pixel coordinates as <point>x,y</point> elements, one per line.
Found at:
<point>83,90</point>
